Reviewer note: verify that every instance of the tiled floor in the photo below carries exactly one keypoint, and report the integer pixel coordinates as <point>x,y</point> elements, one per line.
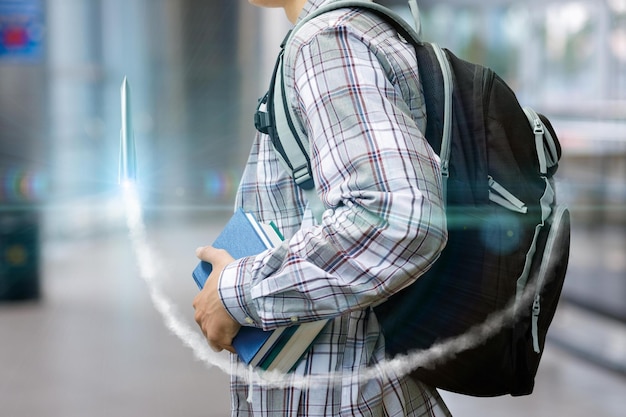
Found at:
<point>94,346</point>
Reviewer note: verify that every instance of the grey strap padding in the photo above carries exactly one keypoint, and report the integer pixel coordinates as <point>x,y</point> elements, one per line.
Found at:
<point>298,163</point>
<point>415,12</point>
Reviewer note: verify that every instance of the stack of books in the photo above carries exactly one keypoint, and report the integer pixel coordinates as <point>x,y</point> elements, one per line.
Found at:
<point>274,350</point>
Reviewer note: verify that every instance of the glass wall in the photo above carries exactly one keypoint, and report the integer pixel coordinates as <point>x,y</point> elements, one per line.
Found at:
<point>186,78</point>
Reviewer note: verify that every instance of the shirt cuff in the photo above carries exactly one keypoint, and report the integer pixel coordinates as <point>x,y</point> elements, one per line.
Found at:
<point>235,294</point>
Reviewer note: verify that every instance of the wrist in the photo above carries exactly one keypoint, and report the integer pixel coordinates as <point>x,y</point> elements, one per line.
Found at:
<point>235,293</point>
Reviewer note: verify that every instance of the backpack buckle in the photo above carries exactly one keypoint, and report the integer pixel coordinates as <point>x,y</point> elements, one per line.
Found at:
<point>302,177</point>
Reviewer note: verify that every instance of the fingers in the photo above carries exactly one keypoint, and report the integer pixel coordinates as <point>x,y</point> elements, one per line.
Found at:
<point>205,331</point>
<point>230,349</point>
<point>219,348</point>
<point>218,327</point>
<point>216,324</point>
<point>212,255</point>
<point>217,340</point>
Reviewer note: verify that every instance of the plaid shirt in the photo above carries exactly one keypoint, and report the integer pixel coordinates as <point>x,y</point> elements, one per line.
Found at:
<point>354,85</point>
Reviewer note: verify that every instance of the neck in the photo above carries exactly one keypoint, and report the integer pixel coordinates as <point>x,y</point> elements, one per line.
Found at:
<point>293,9</point>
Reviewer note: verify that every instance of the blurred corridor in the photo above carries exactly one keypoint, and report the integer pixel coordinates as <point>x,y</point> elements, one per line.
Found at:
<point>78,334</point>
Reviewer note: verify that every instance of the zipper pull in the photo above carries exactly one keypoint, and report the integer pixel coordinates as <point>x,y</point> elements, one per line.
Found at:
<point>537,305</point>
<point>538,130</point>
<point>500,195</point>
<point>445,169</point>
<point>535,323</point>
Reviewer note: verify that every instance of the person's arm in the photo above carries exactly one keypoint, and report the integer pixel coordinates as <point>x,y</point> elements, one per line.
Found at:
<point>377,177</point>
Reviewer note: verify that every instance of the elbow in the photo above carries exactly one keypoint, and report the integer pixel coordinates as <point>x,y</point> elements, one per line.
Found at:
<point>437,231</point>
<point>425,241</point>
<point>428,243</point>
<point>432,247</point>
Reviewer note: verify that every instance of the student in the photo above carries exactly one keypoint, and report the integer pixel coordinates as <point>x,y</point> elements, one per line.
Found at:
<point>355,88</point>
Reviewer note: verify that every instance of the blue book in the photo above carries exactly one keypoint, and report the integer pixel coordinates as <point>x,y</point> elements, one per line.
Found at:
<point>242,236</point>
<point>278,349</point>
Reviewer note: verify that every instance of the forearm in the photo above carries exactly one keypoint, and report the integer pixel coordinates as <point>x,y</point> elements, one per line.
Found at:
<point>354,259</point>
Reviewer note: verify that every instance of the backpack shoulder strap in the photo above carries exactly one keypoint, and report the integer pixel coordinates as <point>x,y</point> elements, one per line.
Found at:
<point>291,141</point>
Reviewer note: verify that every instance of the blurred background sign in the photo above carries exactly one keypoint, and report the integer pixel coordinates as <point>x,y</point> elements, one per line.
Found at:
<point>23,146</point>
<point>21,30</point>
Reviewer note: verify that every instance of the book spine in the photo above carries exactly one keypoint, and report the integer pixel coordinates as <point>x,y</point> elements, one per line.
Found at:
<point>259,231</point>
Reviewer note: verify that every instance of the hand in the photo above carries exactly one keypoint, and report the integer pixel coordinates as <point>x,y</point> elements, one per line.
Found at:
<point>216,323</point>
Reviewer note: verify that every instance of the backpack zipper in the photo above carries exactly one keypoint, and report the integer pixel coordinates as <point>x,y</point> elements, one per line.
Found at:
<point>446,140</point>
<point>539,131</point>
<point>544,142</point>
<point>559,213</point>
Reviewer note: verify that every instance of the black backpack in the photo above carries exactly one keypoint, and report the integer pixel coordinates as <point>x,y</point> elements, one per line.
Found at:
<point>508,246</point>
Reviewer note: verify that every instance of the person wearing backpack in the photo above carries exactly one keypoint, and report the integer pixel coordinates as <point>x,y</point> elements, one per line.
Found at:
<point>354,86</point>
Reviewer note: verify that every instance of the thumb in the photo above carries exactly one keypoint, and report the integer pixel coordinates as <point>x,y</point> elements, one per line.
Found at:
<point>213,255</point>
